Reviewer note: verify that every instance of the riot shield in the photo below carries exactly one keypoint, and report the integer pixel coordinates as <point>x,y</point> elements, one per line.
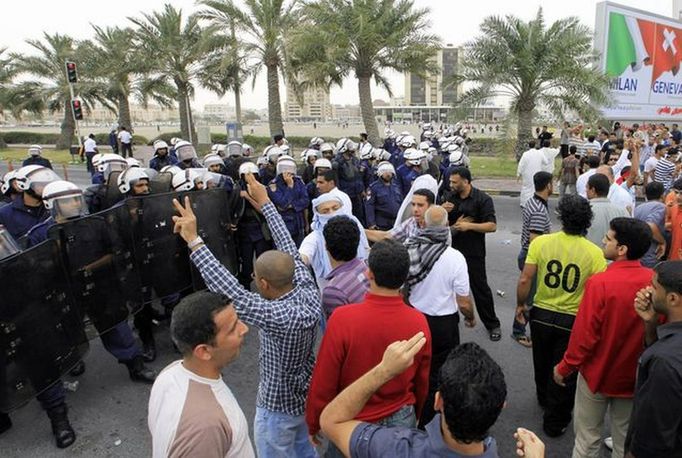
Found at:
<point>98,255</point>
<point>162,256</point>
<point>214,217</point>
<point>41,330</point>
<point>161,183</point>
<point>113,195</point>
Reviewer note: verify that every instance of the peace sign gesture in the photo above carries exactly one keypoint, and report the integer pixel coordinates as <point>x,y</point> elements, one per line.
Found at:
<point>186,223</point>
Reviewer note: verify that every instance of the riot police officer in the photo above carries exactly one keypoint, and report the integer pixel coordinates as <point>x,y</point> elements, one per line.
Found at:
<point>27,210</point>
<point>415,165</point>
<point>253,235</point>
<point>384,198</point>
<point>161,156</point>
<point>269,171</point>
<point>187,155</point>
<point>351,180</point>
<point>35,157</point>
<point>309,156</point>
<point>96,195</point>
<point>234,159</point>
<point>289,195</point>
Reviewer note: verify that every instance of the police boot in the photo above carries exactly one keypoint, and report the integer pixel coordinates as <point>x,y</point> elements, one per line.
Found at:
<point>61,428</point>
<point>138,371</point>
<point>5,422</point>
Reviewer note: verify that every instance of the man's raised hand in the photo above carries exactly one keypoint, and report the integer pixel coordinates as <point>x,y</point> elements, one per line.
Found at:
<point>400,354</point>
<point>256,190</point>
<point>186,223</point>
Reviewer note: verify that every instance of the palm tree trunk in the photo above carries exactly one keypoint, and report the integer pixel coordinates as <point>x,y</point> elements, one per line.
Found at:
<point>367,110</point>
<point>67,128</point>
<point>274,105</point>
<point>524,132</point>
<point>124,112</point>
<point>185,111</point>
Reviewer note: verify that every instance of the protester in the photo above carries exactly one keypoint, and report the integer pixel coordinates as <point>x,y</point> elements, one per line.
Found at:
<point>353,343</point>
<point>347,282</point>
<point>422,199</point>
<point>535,222</point>
<point>438,286</point>
<point>562,261</point>
<point>673,221</point>
<point>568,175</point>
<point>471,214</point>
<point>289,296</point>
<point>655,425</point>
<point>603,210</point>
<point>652,212</point>
<point>606,340</point>
<point>192,412</point>
<point>532,162</point>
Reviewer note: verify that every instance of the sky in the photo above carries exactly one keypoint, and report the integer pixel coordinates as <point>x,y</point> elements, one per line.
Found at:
<point>454,22</point>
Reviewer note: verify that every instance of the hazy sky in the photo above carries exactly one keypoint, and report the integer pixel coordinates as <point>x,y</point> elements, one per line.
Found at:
<point>455,21</point>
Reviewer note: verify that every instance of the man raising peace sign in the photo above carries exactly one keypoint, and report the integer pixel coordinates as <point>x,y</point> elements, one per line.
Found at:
<point>286,311</point>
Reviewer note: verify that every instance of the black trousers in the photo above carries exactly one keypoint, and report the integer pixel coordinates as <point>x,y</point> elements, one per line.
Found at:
<point>444,337</point>
<point>483,297</point>
<point>551,332</point>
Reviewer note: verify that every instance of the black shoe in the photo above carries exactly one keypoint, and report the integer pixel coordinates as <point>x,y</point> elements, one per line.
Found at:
<point>495,334</point>
<point>5,422</point>
<point>78,369</point>
<point>138,371</point>
<point>149,351</point>
<point>554,431</point>
<point>61,428</point>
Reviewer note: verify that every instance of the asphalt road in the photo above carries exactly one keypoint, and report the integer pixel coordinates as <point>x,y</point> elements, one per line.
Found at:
<point>109,412</point>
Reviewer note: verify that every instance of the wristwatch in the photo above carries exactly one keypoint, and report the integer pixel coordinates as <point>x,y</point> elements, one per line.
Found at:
<point>195,243</point>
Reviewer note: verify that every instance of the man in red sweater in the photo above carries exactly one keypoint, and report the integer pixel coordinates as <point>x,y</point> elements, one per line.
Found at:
<point>607,340</point>
<point>355,340</point>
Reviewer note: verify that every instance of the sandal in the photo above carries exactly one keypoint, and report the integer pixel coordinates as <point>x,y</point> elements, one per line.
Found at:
<point>523,340</point>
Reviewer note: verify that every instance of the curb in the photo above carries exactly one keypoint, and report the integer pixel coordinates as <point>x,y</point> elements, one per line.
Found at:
<point>510,193</point>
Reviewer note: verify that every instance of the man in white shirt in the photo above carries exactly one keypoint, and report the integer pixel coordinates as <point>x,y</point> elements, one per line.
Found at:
<point>440,294</point>
<point>617,194</point>
<point>581,184</point>
<point>532,162</point>
<point>90,149</point>
<point>126,140</point>
<point>650,164</point>
<point>192,412</point>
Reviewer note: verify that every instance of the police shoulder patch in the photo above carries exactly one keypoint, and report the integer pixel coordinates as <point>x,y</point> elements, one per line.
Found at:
<point>273,187</point>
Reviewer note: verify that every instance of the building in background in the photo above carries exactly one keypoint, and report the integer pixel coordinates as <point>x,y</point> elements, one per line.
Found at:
<point>315,105</point>
<point>429,91</point>
<point>219,112</point>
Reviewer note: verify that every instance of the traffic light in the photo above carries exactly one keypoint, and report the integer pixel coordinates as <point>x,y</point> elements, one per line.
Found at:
<point>77,109</point>
<point>71,74</point>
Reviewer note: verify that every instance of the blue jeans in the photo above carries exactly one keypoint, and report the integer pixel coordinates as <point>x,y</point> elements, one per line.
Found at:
<point>405,417</point>
<point>519,329</point>
<point>278,435</point>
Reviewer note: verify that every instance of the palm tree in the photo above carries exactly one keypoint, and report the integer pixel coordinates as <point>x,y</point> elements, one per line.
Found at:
<point>266,23</point>
<point>114,60</point>
<point>365,37</point>
<point>227,67</point>
<point>534,66</point>
<point>175,48</point>
<point>7,70</point>
<point>50,89</point>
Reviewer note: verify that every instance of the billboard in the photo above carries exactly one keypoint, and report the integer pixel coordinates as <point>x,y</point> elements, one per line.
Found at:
<point>642,54</point>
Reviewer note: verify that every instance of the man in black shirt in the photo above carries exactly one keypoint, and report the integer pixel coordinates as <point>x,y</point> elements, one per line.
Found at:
<point>471,214</point>
<point>656,423</point>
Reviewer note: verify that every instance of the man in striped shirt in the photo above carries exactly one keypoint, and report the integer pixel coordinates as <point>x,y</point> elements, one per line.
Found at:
<point>535,222</point>
<point>665,169</point>
<point>347,282</point>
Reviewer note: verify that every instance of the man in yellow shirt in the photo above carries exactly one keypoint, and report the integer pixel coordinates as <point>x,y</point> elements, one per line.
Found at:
<point>563,261</point>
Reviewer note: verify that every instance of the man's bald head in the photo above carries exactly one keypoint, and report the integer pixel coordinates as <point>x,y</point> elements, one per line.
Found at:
<point>276,267</point>
<point>436,216</point>
<point>607,171</point>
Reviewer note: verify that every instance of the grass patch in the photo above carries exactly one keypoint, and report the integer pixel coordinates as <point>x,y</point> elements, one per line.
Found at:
<point>493,166</point>
<point>17,155</point>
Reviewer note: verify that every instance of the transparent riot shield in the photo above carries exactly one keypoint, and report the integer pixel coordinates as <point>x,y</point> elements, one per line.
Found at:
<point>160,183</point>
<point>212,208</point>
<point>162,256</point>
<point>112,195</point>
<point>98,254</point>
<point>41,330</point>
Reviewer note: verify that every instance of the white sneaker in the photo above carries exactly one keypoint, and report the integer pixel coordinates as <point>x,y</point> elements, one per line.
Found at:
<point>608,443</point>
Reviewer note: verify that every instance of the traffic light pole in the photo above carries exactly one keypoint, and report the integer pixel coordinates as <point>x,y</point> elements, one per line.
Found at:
<point>73,113</point>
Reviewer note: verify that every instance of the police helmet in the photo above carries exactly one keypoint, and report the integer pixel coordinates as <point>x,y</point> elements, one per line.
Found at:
<point>322,163</point>
<point>129,178</point>
<point>286,164</point>
<point>35,150</point>
<point>234,149</point>
<point>34,178</point>
<point>64,200</point>
<point>248,167</point>
<point>185,151</point>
